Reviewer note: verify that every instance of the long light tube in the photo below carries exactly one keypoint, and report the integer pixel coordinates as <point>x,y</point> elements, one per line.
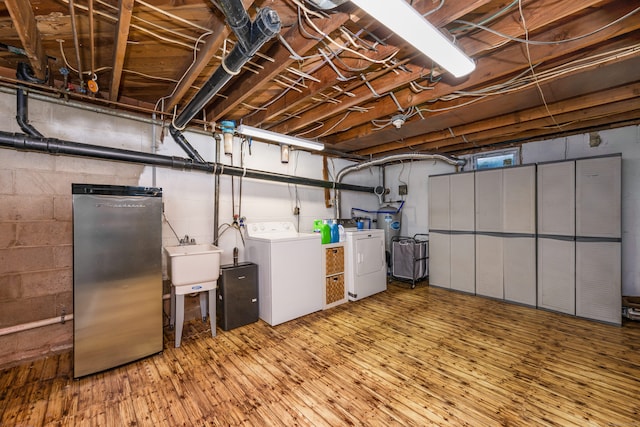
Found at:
<point>401,18</point>
<point>267,135</point>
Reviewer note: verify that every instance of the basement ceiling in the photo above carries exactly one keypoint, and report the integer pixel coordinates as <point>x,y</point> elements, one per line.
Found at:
<point>544,68</point>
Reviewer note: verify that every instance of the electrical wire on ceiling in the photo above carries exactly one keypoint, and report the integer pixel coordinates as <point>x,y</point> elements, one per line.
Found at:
<point>174,17</point>
<point>397,120</point>
<point>343,64</point>
<point>525,80</point>
<point>417,87</point>
<point>335,124</point>
<point>340,46</point>
<point>76,41</point>
<point>434,10</point>
<point>519,82</point>
<point>304,31</point>
<point>302,74</point>
<point>462,30</point>
<point>138,27</point>
<point>352,37</point>
<point>341,77</point>
<point>303,13</point>
<point>288,86</point>
<point>193,62</point>
<point>318,125</point>
<point>533,72</point>
<point>547,43</point>
<point>327,57</point>
<point>104,69</point>
<point>70,67</point>
<point>326,98</point>
<point>251,107</point>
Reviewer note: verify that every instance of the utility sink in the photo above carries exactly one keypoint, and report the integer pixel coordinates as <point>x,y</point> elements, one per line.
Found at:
<point>190,264</point>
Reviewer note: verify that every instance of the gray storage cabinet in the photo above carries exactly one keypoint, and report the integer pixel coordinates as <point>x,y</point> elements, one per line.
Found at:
<point>462,237</point>
<point>556,236</point>
<point>439,232</point>
<point>598,239</point>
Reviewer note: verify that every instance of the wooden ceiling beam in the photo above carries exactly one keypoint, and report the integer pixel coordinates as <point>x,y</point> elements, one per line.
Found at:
<point>388,82</point>
<point>241,90</point>
<point>125,10</point>
<point>562,96</point>
<point>26,26</point>
<point>193,70</point>
<point>406,97</point>
<point>507,62</point>
<point>515,125</point>
<point>591,120</point>
<point>327,79</point>
<point>327,76</point>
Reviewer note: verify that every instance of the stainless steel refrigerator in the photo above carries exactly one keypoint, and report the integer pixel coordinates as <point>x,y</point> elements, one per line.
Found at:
<point>117,275</point>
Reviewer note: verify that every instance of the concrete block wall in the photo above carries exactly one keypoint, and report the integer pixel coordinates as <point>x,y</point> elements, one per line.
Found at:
<point>36,251</point>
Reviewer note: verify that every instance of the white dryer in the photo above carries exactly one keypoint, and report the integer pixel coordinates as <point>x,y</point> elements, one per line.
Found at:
<point>366,269</point>
<point>289,270</point>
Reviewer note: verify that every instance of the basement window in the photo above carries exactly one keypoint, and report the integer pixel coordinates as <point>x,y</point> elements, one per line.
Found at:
<point>497,159</point>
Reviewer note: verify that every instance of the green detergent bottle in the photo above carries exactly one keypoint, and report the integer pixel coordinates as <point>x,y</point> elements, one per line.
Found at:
<point>325,233</point>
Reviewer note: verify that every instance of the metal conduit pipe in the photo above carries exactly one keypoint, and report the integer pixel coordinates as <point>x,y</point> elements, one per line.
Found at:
<point>42,96</point>
<point>56,146</point>
<point>384,160</point>
<point>216,196</point>
<point>251,37</point>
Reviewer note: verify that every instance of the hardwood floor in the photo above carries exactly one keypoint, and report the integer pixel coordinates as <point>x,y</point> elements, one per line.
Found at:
<point>425,356</point>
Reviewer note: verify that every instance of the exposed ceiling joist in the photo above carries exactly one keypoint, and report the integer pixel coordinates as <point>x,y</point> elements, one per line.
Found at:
<point>350,79</point>
<point>27,29</point>
<point>508,62</point>
<point>125,10</point>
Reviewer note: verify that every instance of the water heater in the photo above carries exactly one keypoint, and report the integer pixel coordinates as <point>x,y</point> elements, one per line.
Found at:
<point>389,220</point>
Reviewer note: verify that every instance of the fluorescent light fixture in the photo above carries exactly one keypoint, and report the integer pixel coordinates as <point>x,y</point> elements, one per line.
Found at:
<point>267,135</point>
<point>401,18</point>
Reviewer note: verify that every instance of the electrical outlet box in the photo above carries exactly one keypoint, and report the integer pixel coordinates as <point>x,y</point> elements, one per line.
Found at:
<point>402,190</point>
<point>296,210</point>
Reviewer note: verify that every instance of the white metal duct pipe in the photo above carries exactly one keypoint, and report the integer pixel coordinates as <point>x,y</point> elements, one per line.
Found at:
<point>384,160</point>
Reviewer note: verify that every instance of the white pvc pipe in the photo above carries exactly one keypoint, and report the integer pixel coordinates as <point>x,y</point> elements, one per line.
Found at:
<point>37,324</point>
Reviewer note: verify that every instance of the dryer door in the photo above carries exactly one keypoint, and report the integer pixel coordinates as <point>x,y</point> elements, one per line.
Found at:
<point>369,252</point>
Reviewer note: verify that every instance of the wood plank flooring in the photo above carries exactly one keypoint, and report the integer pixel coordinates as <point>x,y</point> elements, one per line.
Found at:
<point>425,356</point>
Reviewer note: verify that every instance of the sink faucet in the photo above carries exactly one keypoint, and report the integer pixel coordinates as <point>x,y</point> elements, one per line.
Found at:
<point>186,241</point>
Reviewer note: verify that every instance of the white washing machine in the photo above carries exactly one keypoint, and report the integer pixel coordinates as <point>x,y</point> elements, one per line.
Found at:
<point>366,269</point>
<point>289,270</point>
